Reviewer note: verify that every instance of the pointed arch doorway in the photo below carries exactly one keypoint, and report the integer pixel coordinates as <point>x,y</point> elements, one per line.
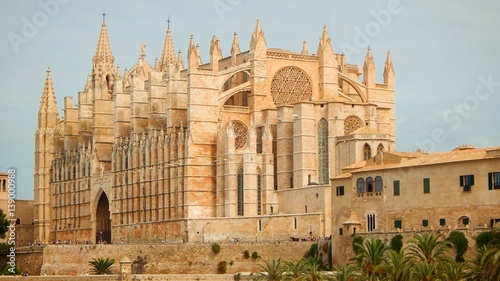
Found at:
<point>103,221</point>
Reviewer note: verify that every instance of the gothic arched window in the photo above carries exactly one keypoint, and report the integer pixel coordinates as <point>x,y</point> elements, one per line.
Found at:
<point>369,184</point>
<point>378,184</point>
<point>323,151</point>
<point>360,185</point>
<point>240,192</point>
<point>380,148</point>
<point>367,152</point>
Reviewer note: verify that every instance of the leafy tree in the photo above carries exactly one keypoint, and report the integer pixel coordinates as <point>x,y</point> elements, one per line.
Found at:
<point>488,237</point>
<point>397,242</point>
<point>454,271</point>
<point>461,244</point>
<point>4,223</point>
<point>313,268</point>
<point>102,266</point>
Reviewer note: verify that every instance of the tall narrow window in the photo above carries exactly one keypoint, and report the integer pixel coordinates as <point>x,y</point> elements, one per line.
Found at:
<point>360,185</point>
<point>369,184</point>
<point>494,180</point>
<point>240,192</point>
<point>259,192</point>
<point>380,148</point>
<point>378,184</point>
<point>396,188</point>
<point>371,222</point>
<point>367,152</point>
<point>427,185</point>
<point>323,151</point>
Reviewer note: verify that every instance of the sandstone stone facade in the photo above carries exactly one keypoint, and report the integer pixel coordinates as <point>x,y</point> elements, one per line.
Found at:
<point>241,146</point>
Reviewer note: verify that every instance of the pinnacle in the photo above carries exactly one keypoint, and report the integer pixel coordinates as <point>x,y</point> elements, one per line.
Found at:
<point>168,54</point>
<point>103,56</point>
<point>48,103</point>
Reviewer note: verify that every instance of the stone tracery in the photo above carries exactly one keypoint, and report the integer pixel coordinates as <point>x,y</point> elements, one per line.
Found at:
<point>290,85</point>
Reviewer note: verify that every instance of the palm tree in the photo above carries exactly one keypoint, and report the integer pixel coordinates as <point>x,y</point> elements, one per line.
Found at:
<point>428,252</point>
<point>313,267</point>
<point>454,271</point>
<point>102,266</point>
<point>294,269</point>
<point>273,270</point>
<point>486,265</point>
<point>398,266</point>
<point>371,257</point>
<point>346,273</point>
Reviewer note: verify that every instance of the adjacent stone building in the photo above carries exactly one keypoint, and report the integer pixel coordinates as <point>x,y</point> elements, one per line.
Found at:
<point>20,212</point>
<point>241,146</point>
<point>409,192</point>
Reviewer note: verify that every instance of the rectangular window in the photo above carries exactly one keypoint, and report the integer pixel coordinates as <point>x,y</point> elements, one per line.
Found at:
<point>398,224</point>
<point>467,181</point>
<point>442,222</point>
<point>396,187</point>
<point>427,185</point>
<point>494,180</point>
<point>465,221</point>
<point>341,231</point>
<point>425,223</point>
<point>340,190</point>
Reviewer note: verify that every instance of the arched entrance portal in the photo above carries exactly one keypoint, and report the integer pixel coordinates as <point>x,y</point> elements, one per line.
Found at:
<point>103,221</point>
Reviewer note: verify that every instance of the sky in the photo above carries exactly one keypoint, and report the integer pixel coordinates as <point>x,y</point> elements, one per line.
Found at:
<point>445,56</point>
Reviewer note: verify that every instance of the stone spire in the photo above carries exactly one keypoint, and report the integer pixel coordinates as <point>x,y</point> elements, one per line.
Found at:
<point>192,55</point>
<point>304,48</point>
<point>235,49</point>
<point>369,70</point>
<point>168,54</point>
<point>103,58</point>
<point>389,71</point>
<point>180,63</point>
<point>328,67</point>
<point>48,112</point>
<point>215,53</point>
<point>258,41</point>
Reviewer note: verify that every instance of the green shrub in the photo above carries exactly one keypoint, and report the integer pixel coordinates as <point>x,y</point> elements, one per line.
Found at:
<point>461,244</point>
<point>357,240</point>
<point>222,267</point>
<point>255,255</point>
<point>488,238</point>
<point>102,266</point>
<point>215,248</point>
<point>397,243</point>
<point>313,250</point>
<point>246,254</point>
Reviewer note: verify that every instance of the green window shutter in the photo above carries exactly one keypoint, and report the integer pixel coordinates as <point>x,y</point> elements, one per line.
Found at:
<point>472,179</point>
<point>341,231</point>
<point>398,224</point>
<point>425,223</point>
<point>461,180</point>
<point>396,188</point>
<point>427,185</point>
<point>442,222</point>
<point>490,181</point>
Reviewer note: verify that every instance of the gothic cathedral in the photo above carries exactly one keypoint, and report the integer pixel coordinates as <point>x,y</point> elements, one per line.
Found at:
<point>242,146</point>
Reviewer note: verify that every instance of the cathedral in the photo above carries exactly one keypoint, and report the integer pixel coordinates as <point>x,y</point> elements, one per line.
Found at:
<point>244,145</point>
